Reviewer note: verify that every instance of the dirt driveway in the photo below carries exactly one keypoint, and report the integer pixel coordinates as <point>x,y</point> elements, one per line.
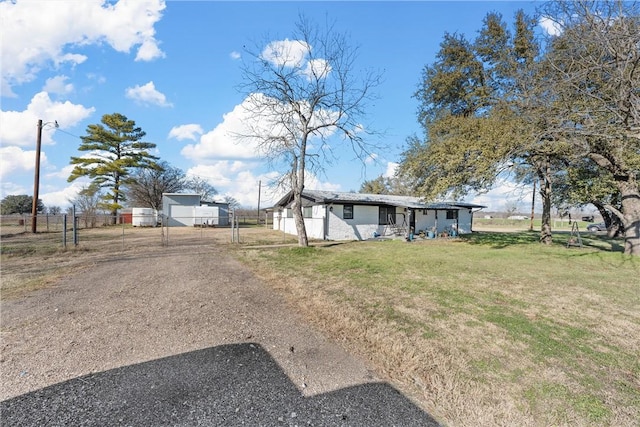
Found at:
<point>138,306</point>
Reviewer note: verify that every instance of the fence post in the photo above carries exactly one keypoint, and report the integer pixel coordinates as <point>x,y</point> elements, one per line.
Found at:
<point>168,226</point>
<point>64,231</point>
<point>75,227</point>
<point>122,221</point>
<point>233,235</point>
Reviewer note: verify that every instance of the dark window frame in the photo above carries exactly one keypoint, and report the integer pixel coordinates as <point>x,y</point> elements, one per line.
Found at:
<point>307,211</point>
<point>347,211</point>
<point>388,210</point>
<point>452,214</point>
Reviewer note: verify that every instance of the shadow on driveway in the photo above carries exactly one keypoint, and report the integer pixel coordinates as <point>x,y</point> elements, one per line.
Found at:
<point>229,385</point>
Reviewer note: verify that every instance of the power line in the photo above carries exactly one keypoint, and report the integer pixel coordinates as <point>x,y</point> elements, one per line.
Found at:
<point>68,133</point>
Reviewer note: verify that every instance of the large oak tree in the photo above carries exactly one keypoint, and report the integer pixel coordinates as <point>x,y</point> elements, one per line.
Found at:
<point>18,204</point>
<point>482,106</point>
<point>595,58</point>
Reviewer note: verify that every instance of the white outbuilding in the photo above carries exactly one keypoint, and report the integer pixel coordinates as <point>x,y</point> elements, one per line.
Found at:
<point>184,209</point>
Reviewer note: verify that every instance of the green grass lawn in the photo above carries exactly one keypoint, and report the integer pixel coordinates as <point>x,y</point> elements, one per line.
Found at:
<point>492,329</point>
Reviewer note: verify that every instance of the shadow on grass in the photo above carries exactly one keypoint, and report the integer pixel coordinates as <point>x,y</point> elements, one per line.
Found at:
<point>499,240</point>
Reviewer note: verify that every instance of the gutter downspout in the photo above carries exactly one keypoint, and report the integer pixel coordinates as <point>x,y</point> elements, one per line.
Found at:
<point>472,215</point>
<point>325,223</point>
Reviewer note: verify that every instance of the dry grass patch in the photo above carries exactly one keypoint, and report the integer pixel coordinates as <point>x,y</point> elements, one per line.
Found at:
<point>487,332</point>
<point>495,330</point>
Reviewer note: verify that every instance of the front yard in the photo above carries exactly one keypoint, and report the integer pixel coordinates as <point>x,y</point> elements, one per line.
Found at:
<point>493,329</point>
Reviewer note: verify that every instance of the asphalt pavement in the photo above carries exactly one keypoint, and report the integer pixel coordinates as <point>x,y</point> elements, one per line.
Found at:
<point>226,385</point>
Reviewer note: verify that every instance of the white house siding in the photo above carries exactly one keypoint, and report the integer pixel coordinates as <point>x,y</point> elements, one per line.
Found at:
<point>333,227</point>
<point>327,222</point>
<point>428,220</point>
<point>465,219</point>
<point>288,225</point>
<point>362,226</point>
<point>180,215</point>
<point>178,208</point>
<point>206,215</point>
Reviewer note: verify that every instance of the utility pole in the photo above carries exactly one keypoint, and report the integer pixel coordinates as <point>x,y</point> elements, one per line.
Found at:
<point>259,190</point>
<point>36,181</point>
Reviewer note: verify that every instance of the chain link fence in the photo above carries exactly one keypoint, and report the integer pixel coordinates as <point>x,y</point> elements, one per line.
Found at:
<point>122,232</point>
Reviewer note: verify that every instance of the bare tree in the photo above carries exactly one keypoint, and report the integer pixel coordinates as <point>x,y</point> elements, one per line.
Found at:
<point>89,202</point>
<point>147,185</point>
<point>200,186</point>
<point>233,203</point>
<point>54,210</point>
<point>303,96</point>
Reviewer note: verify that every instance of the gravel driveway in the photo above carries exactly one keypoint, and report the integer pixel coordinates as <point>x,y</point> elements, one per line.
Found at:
<point>191,320</point>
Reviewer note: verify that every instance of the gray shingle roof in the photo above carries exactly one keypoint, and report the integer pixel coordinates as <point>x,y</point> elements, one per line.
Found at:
<point>327,197</point>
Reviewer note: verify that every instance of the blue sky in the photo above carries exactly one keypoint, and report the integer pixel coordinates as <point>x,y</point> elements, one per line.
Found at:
<point>174,67</point>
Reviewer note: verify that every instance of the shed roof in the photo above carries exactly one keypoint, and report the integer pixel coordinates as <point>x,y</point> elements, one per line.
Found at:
<point>327,197</point>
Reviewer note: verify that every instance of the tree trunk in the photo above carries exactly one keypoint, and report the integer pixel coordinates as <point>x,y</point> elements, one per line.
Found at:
<point>631,216</point>
<point>116,199</point>
<point>299,219</point>
<point>297,186</point>
<point>612,222</point>
<point>544,172</point>
<point>604,213</point>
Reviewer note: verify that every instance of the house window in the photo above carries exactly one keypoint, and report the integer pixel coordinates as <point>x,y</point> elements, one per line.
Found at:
<point>347,212</point>
<point>307,211</point>
<point>289,213</point>
<point>452,214</point>
<point>386,215</point>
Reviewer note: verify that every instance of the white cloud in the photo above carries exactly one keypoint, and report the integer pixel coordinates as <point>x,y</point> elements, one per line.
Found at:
<point>505,194</point>
<point>8,187</point>
<point>392,167</point>
<point>61,173</point>
<point>147,95</point>
<point>222,142</point>
<point>290,53</point>
<point>317,68</point>
<point>149,51</point>
<point>15,159</point>
<point>294,53</point>
<point>183,132</point>
<point>550,26</point>
<point>233,178</point>
<point>239,180</point>
<point>226,140</point>
<point>23,126</point>
<point>58,85</point>
<point>62,198</point>
<point>36,34</point>
<point>220,174</point>
<point>371,158</point>
<point>234,55</point>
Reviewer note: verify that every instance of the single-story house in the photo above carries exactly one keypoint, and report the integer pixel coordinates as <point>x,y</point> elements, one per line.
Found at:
<point>184,209</point>
<point>330,215</point>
